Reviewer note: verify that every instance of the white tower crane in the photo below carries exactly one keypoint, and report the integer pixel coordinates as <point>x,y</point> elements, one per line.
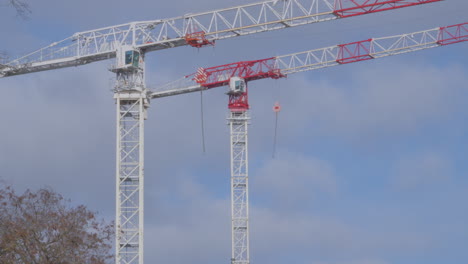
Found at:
<point>129,43</point>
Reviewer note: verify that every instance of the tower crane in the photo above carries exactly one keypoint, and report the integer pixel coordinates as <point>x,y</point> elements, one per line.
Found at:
<point>145,36</point>
<point>281,66</point>
<point>129,43</point>
<point>236,75</point>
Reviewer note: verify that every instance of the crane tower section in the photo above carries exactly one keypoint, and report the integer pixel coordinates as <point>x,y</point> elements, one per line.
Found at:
<point>132,102</point>
<point>238,122</point>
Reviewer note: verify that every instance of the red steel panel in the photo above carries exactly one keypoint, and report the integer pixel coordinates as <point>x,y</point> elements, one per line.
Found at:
<point>239,102</point>
<point>349,8</point>
<point>198,39</point>
<point>453,34</point>
<point>248,70</point>
<point>354,52</point>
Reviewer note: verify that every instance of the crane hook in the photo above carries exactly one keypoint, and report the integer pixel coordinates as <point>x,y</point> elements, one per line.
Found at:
<point>276,109</point>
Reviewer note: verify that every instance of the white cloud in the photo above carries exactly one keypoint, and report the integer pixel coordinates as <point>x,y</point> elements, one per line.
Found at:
<point>422,170</point>
<point>369,103</point>
<point>186,222</point>
<point>291,179</point>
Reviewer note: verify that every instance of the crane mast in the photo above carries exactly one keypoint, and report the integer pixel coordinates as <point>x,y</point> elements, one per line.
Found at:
<point>238,123</point>
<point>131,99</point>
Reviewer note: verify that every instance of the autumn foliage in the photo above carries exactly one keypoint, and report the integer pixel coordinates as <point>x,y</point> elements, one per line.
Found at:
<point>43,228</point>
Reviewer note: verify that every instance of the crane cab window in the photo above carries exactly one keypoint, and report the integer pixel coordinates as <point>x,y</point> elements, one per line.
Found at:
<point>132,58</point>
<point>237,85</point>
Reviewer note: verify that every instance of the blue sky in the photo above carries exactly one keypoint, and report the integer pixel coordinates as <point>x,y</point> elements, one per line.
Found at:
<point>371,163</point>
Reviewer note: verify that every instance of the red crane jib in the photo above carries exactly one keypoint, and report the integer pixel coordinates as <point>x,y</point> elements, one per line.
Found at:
<point>354,52</point>
<point>361,50</point>
<point>453,34</point>
<point>248,70</point>
<point>349,8</point>
<point>347,53</point>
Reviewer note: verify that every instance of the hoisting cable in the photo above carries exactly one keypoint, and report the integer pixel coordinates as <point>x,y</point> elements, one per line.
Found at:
<point>202,122</point>
<point>276,109</point>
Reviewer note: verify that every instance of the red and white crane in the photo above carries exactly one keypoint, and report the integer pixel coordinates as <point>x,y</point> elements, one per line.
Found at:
<point>281,66</point>
<point>237,75</point>
<point>128,44</point>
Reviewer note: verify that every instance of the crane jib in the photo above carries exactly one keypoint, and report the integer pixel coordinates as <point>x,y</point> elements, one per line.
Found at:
<point>280,66</point>
<point>197,30</point>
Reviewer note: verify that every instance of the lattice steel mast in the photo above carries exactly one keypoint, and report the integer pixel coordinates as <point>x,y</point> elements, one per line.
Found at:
<point>132,102</point>
<point>238,123</point>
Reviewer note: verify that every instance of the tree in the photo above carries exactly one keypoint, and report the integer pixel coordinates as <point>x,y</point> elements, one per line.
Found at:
<point>21,7</point>
<point>3,58</point>
<point>23,11</point>
<point>43,228</point>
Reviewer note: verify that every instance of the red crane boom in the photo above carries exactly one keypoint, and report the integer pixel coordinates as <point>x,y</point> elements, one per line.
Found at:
<point>281,66</point>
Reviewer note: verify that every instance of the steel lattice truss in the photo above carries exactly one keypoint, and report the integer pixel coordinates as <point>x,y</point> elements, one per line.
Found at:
<point>281,66</point>
<point>101,44</point>
<point>238,123</point>
<point>198,30</point>
<point>129,215</point>
<point>371,49</point>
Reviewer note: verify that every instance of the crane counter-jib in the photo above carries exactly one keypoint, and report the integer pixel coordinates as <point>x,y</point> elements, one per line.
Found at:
<point>196,30</point>
<point>54,64</point>
<point>280,66</point>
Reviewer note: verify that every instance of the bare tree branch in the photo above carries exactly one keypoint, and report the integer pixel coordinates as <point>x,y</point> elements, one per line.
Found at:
<point>21,7</point>
<point>3,60</point>
<point>22,10</point>
<point>3,56</point>
<point>42,227</point>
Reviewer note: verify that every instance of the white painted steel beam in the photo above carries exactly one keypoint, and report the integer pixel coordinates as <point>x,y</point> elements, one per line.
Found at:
<point>132,103</point>
<point>238,122</point>
<point>101,44</point>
